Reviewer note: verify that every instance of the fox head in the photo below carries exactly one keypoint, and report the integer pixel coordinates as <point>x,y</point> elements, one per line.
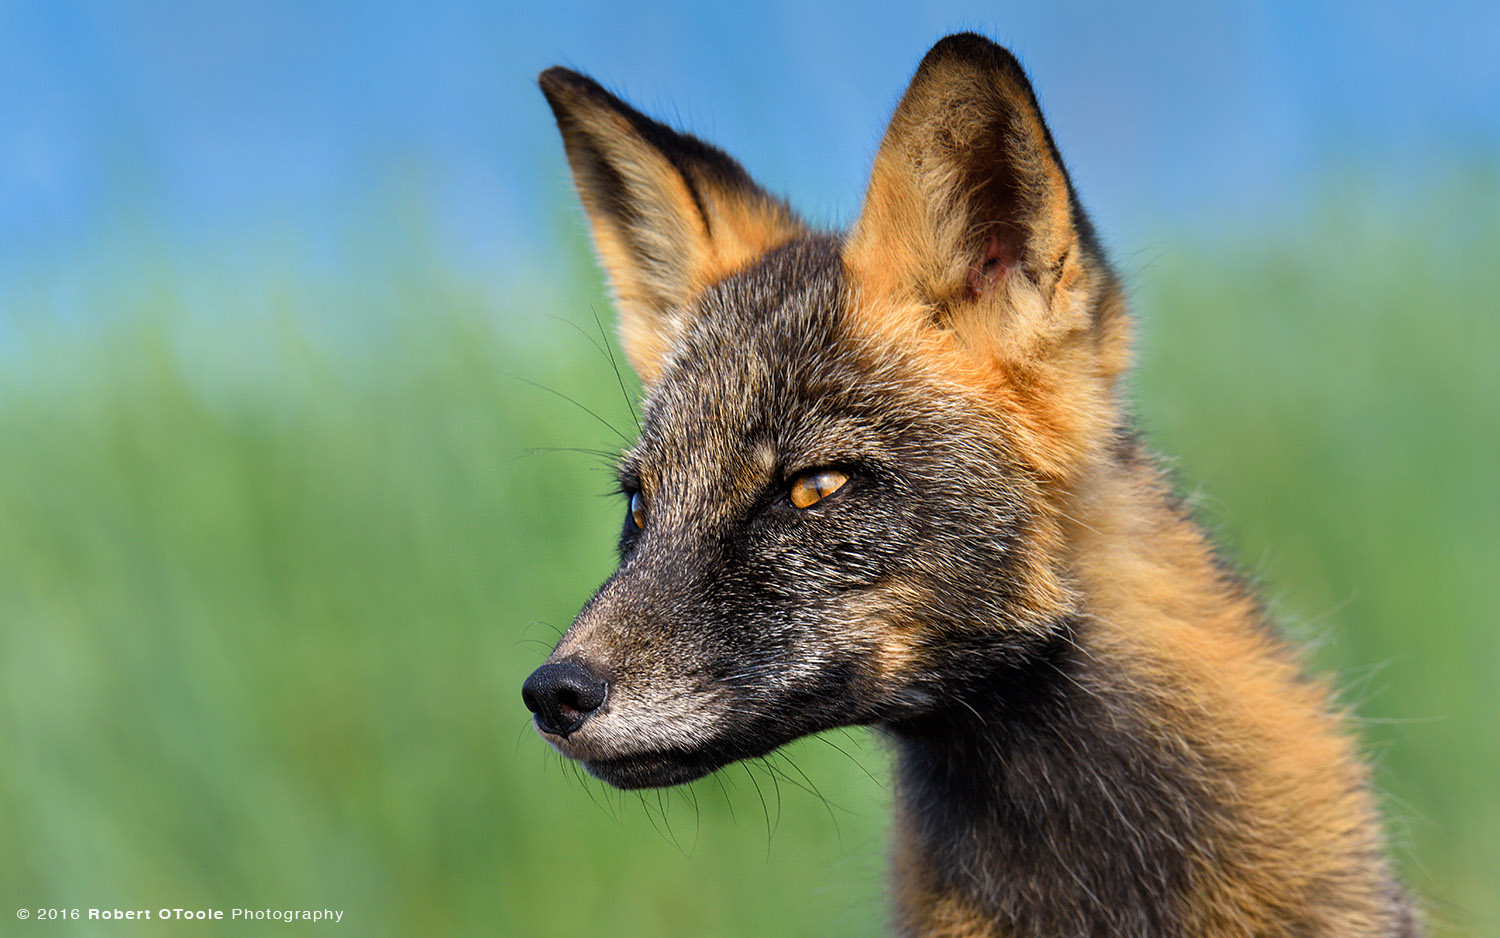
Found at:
<point>847,501</point>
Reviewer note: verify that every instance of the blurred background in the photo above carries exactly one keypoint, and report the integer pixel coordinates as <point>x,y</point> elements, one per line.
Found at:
<point>306,412</point>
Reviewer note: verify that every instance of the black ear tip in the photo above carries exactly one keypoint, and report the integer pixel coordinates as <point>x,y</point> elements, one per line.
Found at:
<point>556,77</point>
<point>965,41</point>
<point>972,48</point>
<point>558,82</point>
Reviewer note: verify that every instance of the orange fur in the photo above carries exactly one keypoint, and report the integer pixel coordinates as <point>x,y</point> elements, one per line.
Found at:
<point>1043,345</point>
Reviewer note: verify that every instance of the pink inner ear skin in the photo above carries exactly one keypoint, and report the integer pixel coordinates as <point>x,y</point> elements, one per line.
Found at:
<point>994,264</point>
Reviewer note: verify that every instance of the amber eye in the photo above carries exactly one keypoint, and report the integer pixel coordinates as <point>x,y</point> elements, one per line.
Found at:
<point>638,511</point>
<point>812,487</point>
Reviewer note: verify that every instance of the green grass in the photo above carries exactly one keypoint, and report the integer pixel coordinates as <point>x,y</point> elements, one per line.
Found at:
<point>275,555</point>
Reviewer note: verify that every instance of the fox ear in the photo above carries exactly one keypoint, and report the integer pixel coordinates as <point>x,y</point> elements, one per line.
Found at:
<point>968,198</point>
<point>670,214</point>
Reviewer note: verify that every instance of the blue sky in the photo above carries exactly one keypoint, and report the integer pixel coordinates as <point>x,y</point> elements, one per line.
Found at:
<point>201,126</point>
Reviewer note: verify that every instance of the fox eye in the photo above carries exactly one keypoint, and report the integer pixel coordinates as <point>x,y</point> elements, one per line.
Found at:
<point>638,511</point>
<point>809,488</point>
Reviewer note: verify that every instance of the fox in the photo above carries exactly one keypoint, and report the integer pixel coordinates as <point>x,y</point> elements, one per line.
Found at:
<point>888,477</point>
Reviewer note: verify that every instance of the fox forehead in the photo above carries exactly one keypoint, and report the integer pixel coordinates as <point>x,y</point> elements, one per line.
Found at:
<point>765,376</point>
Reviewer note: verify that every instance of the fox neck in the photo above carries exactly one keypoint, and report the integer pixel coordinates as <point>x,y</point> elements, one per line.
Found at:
<point>1039,809</point>
<point>1160,766</point>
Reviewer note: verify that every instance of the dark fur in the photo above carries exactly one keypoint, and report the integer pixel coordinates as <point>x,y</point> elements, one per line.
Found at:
<point>1088,825</point>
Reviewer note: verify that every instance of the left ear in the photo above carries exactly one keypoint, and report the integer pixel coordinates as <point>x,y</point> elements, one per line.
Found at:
<point>969,201</point>
<point>670,214</point>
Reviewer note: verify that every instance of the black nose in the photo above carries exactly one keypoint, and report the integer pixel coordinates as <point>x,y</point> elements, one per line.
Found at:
<point>563,695</point>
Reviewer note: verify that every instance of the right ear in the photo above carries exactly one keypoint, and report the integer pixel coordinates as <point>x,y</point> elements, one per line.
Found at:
<point>671,215</point>
<point>969,196</point>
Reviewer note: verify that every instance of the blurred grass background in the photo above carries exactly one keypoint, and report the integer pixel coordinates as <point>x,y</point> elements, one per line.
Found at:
<point>277,548</point>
